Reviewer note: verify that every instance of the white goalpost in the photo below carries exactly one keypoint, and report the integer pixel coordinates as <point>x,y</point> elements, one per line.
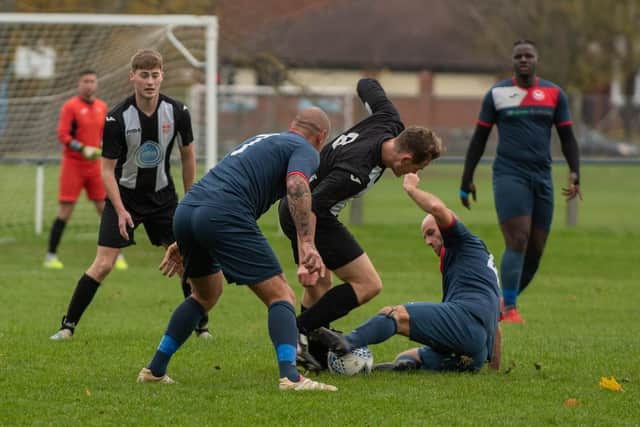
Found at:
<point>41,55</point>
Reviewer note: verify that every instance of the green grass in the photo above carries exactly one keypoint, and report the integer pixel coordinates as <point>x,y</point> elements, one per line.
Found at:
<point>582,318</point>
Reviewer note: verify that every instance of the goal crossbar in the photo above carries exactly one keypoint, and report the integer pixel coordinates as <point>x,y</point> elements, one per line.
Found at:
<point>108,19</point>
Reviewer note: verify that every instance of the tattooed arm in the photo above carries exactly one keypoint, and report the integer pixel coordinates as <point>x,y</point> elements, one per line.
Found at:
<point>299,201</point>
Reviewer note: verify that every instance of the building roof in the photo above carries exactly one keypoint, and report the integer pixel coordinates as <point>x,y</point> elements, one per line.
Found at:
<point>365,34</point>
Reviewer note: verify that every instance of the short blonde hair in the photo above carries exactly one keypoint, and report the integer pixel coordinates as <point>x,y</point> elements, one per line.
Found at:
<point>146,59</point>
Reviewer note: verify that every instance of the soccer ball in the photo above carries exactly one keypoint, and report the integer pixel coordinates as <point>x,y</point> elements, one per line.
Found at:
<point>358,361</point>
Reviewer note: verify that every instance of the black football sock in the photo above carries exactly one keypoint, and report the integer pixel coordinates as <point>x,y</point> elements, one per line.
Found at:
<point>56,234</point>
<point>303,309</point>
<point>82,296</point>
<point>337,302</point>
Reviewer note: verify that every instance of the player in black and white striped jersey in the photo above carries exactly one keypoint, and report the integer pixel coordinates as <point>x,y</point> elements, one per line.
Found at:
<point>138,138</point>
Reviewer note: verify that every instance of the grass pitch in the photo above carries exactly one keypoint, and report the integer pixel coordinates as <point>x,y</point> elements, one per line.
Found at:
<point>582,318</point>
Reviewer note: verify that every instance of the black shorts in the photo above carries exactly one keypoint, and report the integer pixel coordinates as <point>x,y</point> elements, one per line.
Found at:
<point>334,242</point>
<point>157,221</point>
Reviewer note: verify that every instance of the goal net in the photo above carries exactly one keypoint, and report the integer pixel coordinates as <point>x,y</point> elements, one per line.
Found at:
<point>40,58</point>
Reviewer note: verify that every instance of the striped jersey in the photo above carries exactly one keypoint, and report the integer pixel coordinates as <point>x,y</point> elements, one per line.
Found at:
<point>142,144</point>
<point>524,117</point>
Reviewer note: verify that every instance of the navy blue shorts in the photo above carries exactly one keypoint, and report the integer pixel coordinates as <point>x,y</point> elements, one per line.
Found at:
<point>454,339</point>
<point>520,195</point>
<point>222,238</point>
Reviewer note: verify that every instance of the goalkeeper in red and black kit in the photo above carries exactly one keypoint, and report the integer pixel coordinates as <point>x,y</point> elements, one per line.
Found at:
<point>80,132</point>
<point>349,166</point>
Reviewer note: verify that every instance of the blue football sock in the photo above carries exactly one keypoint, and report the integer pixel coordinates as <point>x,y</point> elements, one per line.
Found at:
<point>375,330</point>
<point>183,321</point>
<point>510,273</point>
<point>284,336</point>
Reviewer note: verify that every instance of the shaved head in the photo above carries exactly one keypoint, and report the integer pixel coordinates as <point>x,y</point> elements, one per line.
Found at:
<point>428,220</point>
<point>311,121</point>
<point>431,233</point>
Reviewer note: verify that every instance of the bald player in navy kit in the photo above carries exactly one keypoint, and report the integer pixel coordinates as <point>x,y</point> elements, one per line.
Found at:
<point>458,334</point>
<point>217,234</point>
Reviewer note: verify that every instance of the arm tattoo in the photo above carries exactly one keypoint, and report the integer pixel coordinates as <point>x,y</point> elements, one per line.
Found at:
<point>299,198</point>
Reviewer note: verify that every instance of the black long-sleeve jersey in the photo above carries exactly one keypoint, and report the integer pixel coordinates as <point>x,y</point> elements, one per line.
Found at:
<point>352,162</point>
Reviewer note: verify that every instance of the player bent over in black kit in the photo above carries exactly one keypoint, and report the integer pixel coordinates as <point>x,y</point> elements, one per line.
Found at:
<point>349,166</point>
<point>139,135</point>
<point>460,333</point>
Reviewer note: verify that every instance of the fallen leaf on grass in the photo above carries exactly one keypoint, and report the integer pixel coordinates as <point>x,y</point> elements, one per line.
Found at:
<point>571,402</point>
<point>610,384</point>
<point>87,392</point>
<point>572,297</point>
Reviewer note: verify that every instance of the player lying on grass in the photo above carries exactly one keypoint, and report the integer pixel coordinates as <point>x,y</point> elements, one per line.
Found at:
<point>217,234</point>
<point>460,333</point>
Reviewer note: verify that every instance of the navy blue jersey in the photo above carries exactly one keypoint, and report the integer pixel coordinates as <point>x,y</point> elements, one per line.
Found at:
<point>469,275</point>
<point>524,117</point>
<point>255,172</point>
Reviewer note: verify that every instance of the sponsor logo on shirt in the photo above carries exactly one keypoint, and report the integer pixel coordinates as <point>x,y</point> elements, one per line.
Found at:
<point>111,119</point>
<point>166,127</point>
<point>354,178</point>
<point>148,155</point>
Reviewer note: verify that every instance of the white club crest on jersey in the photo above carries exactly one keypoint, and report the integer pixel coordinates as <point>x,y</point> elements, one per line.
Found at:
<point>538,95</point>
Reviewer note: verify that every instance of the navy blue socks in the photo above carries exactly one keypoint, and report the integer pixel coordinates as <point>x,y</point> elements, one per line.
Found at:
<point>284,336</point>
<point>183,321</point>
<point>375,330</point>
<point>510,273</point>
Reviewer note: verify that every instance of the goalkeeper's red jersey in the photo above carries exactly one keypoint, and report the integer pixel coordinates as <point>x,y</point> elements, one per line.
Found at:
<point>82,121</point>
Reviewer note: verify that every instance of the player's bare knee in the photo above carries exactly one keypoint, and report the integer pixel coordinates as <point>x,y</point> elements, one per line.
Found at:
<point>207,298</point>
<point>368,290</point>
<point>101,268</point>
<point>289,296</point>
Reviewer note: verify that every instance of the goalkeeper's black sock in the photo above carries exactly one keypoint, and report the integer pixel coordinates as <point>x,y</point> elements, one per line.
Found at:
<point>337,302</point>
<point>56,234</point>
<point>82,296</point>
